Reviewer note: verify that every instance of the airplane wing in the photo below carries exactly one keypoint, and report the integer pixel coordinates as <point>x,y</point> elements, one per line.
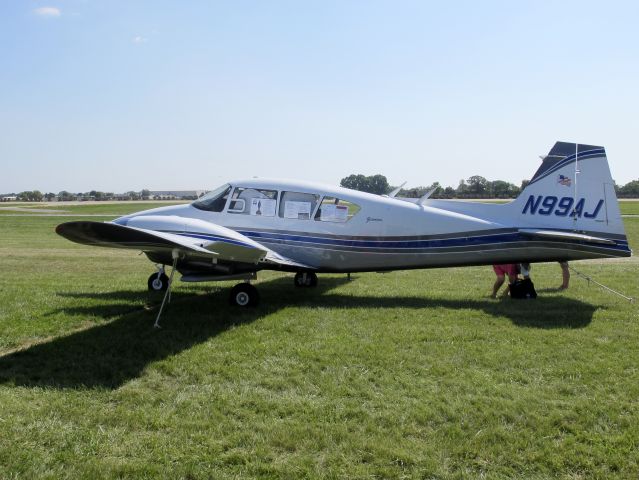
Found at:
<point>217,242</point>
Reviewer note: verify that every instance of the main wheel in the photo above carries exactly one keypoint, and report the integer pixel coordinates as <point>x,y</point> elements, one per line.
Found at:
<point>305,279</point>
<point>158,283</point>
<point>244,295</point>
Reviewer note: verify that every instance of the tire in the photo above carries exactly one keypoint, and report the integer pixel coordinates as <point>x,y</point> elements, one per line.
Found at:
<point>305,279</point>
<point>158,283</point>
<point>244,295</point>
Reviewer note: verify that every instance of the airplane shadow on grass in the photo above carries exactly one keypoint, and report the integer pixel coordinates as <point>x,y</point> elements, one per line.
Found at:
<point>110,354</point>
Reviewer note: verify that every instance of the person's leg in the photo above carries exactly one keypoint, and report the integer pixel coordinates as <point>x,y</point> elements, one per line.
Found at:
<point>498,283</point>
<point>565,275</point>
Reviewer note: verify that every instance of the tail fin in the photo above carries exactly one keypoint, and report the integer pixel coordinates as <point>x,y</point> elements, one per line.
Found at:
<point>572,190</point>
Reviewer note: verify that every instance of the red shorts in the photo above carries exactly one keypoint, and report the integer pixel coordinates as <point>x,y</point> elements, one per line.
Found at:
<point>506,269</point>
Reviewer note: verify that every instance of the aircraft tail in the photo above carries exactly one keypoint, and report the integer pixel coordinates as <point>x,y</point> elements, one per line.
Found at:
<point>572,190</point>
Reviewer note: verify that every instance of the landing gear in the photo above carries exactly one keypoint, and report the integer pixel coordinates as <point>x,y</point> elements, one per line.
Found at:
<point>244,295</point>
<point>158,282</point>
<point>305,279</point>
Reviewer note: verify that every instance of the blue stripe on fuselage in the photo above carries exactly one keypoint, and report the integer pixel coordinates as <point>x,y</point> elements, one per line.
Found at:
<point>383,244</point>
<point>394,244</point>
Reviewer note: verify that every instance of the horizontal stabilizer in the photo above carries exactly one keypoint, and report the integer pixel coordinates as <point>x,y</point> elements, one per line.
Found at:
<point>558,235</point>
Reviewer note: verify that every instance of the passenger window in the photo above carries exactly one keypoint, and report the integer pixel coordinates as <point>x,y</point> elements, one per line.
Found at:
<point>251,201</point>
<point>298,205</point>
<point>215,200</point>
<point>335,210</point>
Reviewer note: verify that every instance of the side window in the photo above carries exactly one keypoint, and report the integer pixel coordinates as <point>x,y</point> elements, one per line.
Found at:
<point>251,201</point>
<point>335,210</point>
<point>215,200</point>
<point>298,205</point>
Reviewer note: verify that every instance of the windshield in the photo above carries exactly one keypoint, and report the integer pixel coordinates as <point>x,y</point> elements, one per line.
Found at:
<point>215,200</point>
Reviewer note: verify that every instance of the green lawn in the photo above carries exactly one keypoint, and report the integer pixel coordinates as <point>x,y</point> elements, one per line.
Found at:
<point>89,208</point>
<point>629,207</point>
<point>399,375</point>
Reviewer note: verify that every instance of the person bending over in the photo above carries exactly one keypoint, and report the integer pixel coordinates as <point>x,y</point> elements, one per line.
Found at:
<point>501,271</point>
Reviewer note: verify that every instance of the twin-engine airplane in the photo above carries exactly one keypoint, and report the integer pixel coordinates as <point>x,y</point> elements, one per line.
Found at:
<point>568,211</point>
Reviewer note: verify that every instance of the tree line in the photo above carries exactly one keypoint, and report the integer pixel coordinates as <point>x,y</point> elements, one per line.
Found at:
<point>38,196</point>
<point>473,187</point>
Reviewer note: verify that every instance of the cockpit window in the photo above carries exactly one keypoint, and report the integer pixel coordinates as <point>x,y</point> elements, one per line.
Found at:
<point>215,200</point>
<point>335,210</point>
<point>251,201</point>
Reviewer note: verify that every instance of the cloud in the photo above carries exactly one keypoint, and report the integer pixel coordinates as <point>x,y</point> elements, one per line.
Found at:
<point>48,11</point>
<point>139,39</point>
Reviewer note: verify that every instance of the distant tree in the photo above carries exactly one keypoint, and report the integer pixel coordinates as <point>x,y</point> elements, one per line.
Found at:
<point>477,185</point>
<point>449,192</point>
<point>354,182</point>
<point>630,189</point>
<point>502,189</point>
<point>462,188</point>
<point>414,192</point>
<point>65,196</point>
<point>377,184</point>
<point>30,196</point>
<point>524,184</point>
<point>49,196</point>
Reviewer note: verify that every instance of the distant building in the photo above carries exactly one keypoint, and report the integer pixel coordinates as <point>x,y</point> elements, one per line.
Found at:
<point>8,198</point>
<point>175,194</point>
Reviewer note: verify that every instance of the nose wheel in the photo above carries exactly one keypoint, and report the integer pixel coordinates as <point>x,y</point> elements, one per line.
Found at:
<point>158,282</point>
<point>244,295</point>
<point>305,279</point>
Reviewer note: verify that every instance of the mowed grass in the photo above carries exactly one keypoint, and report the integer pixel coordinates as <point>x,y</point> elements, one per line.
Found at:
<point>398,375</point>
<point>88,208</point>
<point>629,207</point>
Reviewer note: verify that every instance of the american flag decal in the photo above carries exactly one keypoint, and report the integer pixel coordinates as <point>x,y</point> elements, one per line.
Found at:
<point>563,180</point>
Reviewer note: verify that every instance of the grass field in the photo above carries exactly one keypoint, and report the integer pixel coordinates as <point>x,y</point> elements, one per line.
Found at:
<point>399,375</point>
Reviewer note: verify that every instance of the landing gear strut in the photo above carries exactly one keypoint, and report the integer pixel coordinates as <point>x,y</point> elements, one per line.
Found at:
<point>244,295</point>
<point>176,255</point>
<point>305,279</point>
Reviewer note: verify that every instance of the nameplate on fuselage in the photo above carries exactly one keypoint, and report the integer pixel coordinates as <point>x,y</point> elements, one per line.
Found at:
<point>562,206</point>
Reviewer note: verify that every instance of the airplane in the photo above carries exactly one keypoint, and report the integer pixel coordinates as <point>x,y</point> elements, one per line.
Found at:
<point>568,211</point>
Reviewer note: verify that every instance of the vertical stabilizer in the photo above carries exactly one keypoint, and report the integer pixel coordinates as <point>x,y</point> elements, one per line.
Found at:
<point>572,190</point>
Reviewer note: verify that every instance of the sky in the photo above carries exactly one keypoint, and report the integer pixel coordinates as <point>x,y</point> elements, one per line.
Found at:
<point>122,95</point>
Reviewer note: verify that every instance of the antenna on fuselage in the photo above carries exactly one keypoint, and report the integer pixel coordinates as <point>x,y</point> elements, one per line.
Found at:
<point>394,193</point>
<point>426,196</point>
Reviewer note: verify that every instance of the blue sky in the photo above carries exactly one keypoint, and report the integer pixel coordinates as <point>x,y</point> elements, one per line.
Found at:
<point>118,95</point>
